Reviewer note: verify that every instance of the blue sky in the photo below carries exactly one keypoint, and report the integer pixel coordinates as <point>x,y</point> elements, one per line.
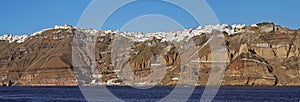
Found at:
<point>28,16</point>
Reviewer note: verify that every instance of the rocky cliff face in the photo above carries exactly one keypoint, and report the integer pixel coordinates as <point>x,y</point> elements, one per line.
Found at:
<point>43,60</point>
<point>262,54</point>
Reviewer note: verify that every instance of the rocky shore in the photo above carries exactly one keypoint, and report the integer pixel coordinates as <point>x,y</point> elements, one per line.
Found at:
<point>263,54</point>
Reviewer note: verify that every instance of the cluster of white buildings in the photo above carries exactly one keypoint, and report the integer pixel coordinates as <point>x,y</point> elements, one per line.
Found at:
<point>22,38</point>
<point>13,38</point>
<point>185,34</point>
<point>136,36</point>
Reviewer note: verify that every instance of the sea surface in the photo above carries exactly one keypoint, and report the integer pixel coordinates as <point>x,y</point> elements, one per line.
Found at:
<point>130,94</point>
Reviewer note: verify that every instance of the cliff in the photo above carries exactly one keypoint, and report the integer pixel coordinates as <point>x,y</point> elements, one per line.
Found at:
<point>261,54</point>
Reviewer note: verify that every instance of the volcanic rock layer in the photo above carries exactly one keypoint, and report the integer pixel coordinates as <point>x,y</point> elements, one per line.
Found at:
<point>262,54</point>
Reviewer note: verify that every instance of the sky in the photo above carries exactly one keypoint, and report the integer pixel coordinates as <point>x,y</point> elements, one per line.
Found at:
<point>28,16</point>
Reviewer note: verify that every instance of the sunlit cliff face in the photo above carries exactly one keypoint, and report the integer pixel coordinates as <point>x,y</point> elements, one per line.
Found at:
<point>261,54</point>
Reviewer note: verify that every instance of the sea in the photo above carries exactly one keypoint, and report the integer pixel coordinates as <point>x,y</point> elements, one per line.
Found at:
<point>157,93</point>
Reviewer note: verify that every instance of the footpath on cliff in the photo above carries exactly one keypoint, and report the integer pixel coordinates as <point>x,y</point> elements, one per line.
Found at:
<point>262,54</point>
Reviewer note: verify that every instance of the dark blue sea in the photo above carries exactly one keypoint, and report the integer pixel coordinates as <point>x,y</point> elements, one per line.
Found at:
<point>225,93</point>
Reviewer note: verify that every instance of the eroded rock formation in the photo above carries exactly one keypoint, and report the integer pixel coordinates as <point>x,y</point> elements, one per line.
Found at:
<point>262,54</point>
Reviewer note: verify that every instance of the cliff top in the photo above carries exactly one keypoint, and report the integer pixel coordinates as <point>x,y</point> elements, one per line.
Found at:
<point>164,36</point>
